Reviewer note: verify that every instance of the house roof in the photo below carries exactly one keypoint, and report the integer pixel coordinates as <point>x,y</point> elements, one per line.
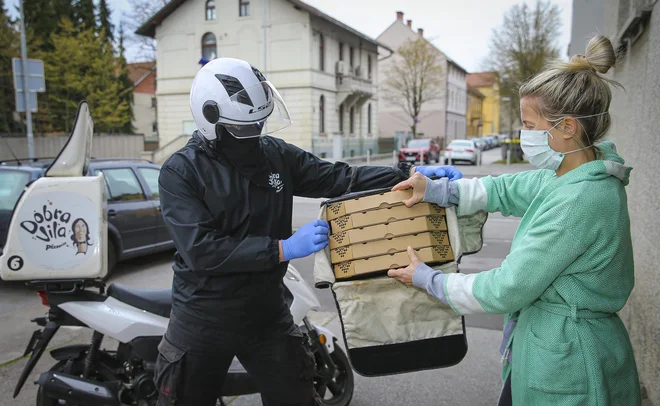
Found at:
<point>475,92</point>
<point>148,29</point>
<point>143,76</point>
<point>480,79</point>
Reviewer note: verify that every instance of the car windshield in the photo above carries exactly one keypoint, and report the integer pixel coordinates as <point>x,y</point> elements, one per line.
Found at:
<point>418,143</point>
<point>465,144</point>
<point>12,184</point>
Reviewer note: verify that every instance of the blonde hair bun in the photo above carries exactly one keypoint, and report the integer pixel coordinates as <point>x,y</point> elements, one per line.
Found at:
<point>600,56</point>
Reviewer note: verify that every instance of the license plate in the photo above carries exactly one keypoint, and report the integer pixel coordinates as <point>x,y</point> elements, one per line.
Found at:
<point>411,158</point>
<point>459,150</point>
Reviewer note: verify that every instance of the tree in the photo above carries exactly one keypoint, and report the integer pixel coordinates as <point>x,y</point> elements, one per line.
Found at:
<point>82,67</point>
<point>414,79</point>
<point>524,43</point>
<point>9,48</point>
<point>104,21</point>
<point>141,12</point>
<point>126,85</point>
<point>84,15</point>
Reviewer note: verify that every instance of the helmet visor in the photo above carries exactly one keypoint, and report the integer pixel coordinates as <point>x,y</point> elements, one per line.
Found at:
<point>255,111</point>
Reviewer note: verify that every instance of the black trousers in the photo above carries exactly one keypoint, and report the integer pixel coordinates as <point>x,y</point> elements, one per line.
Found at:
<point>280,366</point>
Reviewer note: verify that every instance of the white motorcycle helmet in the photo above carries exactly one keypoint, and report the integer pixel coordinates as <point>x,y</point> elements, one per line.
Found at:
<point>232,93</point>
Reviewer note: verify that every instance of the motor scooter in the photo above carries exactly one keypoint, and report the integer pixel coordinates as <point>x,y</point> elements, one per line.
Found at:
<point>71,285</point>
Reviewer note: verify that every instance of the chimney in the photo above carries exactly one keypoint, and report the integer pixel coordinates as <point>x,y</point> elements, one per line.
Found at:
<point>409,23</point>
<point>420,31</point>
<point>399,15</point>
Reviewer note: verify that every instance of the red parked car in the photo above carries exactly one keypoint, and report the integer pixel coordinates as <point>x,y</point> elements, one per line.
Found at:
<point>417,148</point>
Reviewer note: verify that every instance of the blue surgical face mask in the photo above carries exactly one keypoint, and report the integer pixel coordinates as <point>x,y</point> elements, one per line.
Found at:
<point>534,144</point>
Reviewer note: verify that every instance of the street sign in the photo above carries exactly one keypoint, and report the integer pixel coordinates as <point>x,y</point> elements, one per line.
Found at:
<point>32,102</point>
<point>35,75</point>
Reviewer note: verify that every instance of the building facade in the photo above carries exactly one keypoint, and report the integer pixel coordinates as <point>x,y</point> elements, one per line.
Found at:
<point>443,118</point>
<point>634,27</point>
<point>324,70</point>
<point>475,113</point>
<point>145,116</point>
<point>487,84</point>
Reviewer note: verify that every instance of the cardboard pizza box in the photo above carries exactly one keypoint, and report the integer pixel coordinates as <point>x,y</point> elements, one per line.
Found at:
<point>388,246</point>
<point>381,264</point>
<point>384,231</point>
<point>365,203</point>
<point>382,216</point>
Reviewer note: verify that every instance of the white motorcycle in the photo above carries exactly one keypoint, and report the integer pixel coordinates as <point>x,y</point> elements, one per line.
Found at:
<point>68,274</point>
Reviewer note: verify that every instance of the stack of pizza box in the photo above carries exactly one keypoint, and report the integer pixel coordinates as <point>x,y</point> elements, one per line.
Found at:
<point>370,234</point>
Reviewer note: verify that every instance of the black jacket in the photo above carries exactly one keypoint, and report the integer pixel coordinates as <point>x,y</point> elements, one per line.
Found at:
<point>226,229</point>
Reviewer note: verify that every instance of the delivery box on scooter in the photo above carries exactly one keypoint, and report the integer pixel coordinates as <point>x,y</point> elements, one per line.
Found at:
<point>382,216</point>
<point>388,246</point>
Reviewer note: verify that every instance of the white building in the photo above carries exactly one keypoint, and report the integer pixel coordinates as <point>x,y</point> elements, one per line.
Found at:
<point>442,118</point>
<point>323,69</point>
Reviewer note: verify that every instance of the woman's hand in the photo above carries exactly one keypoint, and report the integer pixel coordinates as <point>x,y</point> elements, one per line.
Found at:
<point>405,275</point>
<point>418,184</point>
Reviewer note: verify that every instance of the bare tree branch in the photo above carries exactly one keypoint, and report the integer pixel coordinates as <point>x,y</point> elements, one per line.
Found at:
<point>141,12</point>
<point>414,79</point>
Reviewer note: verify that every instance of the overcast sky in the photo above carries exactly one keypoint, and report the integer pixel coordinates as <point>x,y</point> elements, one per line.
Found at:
<point>460,28</point>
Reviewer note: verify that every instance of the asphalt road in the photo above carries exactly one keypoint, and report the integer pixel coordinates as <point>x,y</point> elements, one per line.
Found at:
<point>475,381</point>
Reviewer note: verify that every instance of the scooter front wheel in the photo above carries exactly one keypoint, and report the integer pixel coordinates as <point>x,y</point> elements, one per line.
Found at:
<point>339,390</point>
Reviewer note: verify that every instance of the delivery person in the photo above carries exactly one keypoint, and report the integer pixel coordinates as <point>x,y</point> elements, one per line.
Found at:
<point>571,263</point>
<point>227,201</point>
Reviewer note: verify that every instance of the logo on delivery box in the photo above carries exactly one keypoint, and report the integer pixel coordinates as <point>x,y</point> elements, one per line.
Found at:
<point>57,230</point>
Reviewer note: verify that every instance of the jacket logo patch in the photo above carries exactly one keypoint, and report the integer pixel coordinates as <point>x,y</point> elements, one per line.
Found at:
<point>275,182</point>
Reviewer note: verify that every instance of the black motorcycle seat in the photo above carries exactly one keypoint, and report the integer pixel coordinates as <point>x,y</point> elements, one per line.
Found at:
<point>156,301</point>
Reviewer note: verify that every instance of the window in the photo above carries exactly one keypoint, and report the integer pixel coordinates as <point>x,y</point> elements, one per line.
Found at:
<point>188,127</point>
<point>351,121</point>
<point>341,119</point>
<point>12,184</point>
<point>350,57</point>
<point>210,10</point>
<point>209,48</point>
<point>150,175</point>
<point>154,128</point>
<point>243,8</point>
<point>341,51</point>
<point>122,185</point>
<point>369,68</point>
<point>321,52</point>
<point>369,119</point>
<point>153,102</point>
<point>322,114</point>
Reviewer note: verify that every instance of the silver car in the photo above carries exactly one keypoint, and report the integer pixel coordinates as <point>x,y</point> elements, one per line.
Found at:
<point>461,150</point>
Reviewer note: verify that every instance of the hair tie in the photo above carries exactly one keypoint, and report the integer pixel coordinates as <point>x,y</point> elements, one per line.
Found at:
<point>588,63</point>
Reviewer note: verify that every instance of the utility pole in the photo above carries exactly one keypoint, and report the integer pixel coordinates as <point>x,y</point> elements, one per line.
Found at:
<point>28,113</point>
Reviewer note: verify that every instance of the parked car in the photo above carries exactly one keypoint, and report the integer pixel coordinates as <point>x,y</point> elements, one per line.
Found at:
<point>461,150</point>
<point>135,224</point>
<point>416,148</point>
<point>490,141</point>
<point>480,143</point>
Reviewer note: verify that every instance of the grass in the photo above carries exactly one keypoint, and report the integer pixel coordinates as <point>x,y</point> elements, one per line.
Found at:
<point>514,160</point>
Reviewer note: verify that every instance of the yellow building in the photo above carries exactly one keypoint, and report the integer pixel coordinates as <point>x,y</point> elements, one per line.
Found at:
<point>487,84</point>
<point>475,113</point>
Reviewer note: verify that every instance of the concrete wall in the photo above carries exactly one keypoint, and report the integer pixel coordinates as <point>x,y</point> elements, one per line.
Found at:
<point>103,146</point>
<point>588,20</point>
<point>144,115</point>
<point>635,114</point>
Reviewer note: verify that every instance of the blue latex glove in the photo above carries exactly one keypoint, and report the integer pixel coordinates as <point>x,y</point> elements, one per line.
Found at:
<point>310,238</point>
<point>446,171</point>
